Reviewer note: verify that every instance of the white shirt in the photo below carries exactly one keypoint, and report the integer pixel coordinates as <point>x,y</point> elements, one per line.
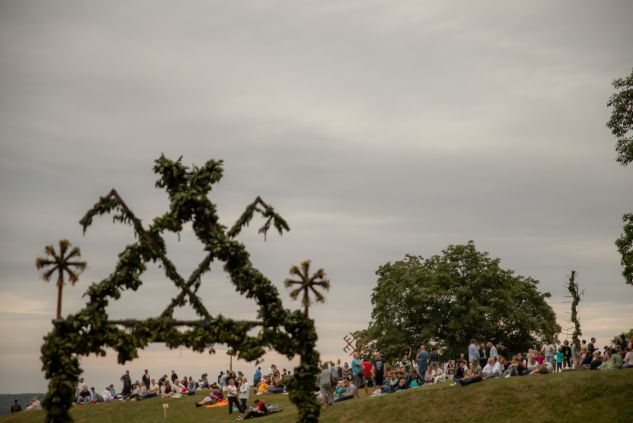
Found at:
<point>488,370</point>
<point>497,367</point>
<point>231,390</point>
<point>107,395</point>
<point>244,390</point>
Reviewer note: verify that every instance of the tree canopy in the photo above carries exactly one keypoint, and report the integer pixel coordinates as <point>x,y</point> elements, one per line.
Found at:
<point>450,298</point>
<point>621,121</point>
<point>621,125</point>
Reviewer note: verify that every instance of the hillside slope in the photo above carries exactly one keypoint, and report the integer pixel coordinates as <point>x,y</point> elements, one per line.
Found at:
<point>565,397</point>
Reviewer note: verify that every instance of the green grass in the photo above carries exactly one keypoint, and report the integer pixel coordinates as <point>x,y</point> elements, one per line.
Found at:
<point>566,397</point>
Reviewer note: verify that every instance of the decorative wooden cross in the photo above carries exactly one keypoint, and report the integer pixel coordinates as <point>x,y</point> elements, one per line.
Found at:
<point>350,340</point>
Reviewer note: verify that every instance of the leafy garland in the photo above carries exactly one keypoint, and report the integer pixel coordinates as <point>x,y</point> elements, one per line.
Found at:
<point>90,331</point>
<point>574,291</point>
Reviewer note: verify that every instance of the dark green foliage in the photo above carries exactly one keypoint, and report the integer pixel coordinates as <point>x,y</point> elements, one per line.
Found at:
<point>625,247</point>
<point>572,287</point>
<point>621,125</point>
<point>89,331</point>
<point>447,299</point>
<point>621,121</point>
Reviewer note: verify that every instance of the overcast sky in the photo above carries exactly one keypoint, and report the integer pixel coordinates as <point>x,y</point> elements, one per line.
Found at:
<point>376,128</point>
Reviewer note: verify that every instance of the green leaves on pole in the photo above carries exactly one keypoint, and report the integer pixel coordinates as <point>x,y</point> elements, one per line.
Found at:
<point>89,331</point>
<point>572,287</point>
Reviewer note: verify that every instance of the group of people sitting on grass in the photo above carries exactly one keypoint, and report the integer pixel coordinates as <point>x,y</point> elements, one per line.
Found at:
<point>231,388</point>
<point>483,361</point>
<point>341,382</point>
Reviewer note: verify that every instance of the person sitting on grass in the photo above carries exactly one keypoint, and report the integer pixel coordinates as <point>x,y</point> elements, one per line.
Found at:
<point>542,369</point>
<point>439,376</point>
<point>348,391</point>
<point>96,397</point>
<point>107,394</point>
<point>258,410</point>
<point>511,369</point>
<point>262,387</point>
<point>207,400</point>
<point>627,363</point>
<point>489,369</point>
<point>84,397</point>
<point>596,360</point>
<point>586,359</point>
<point>531,365</point>
<point>473,375</point>
<point>460,371</point>
<point>614,362</point>
<point>166,390</point>
<point>154,390</point>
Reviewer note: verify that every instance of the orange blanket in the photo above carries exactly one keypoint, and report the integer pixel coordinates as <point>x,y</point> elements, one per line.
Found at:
<point>218,404</point>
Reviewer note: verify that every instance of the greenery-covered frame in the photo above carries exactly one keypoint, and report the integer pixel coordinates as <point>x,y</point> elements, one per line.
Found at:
<point>90,331</point>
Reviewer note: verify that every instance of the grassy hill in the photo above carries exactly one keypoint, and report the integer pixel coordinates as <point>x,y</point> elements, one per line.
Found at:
<point>565,397</point>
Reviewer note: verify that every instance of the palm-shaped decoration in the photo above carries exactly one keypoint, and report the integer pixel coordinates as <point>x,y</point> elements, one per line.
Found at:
<point>307,283</point>
<point>60,263</point>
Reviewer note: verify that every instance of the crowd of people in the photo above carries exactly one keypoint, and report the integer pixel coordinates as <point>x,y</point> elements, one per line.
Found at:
<point>481,361</point>
<point>342,381</point>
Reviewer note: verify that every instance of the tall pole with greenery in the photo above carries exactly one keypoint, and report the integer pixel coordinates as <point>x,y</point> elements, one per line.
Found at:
<point>621,125</point>
<point>64,262</point>
<point>572,287</point>
<point>307,283</point>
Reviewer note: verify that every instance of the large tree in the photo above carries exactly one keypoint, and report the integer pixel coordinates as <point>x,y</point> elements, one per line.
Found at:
<point>621,125</point>
<point>450,298</point>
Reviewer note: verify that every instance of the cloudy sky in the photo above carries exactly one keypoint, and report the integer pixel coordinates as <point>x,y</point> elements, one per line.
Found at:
<point>376,128</point>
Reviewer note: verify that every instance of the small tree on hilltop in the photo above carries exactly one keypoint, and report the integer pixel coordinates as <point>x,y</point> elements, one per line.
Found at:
<point>60,263</point>
<point>307,283</point>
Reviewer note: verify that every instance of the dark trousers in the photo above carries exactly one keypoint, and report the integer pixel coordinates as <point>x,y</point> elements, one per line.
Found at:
<point>233,400</point>
<point>244,406</point>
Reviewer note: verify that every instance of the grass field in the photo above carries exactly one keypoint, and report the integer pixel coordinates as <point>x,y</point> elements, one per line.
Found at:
<point>565,397</point>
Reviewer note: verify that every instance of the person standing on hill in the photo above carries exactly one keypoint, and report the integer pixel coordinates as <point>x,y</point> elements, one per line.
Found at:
<point>493,351</point>
<point>357,374</point>
<point>146,379</point>
<point>591,347</point>
<point>473,351</point>
<point>174,377</point>
<point>422,359</point>
<point>127,384</point>
<point>378,370</point>
<point>548,352</point>
<point>567,354</point>
<point>231,393</point>
<point>257,377</point>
